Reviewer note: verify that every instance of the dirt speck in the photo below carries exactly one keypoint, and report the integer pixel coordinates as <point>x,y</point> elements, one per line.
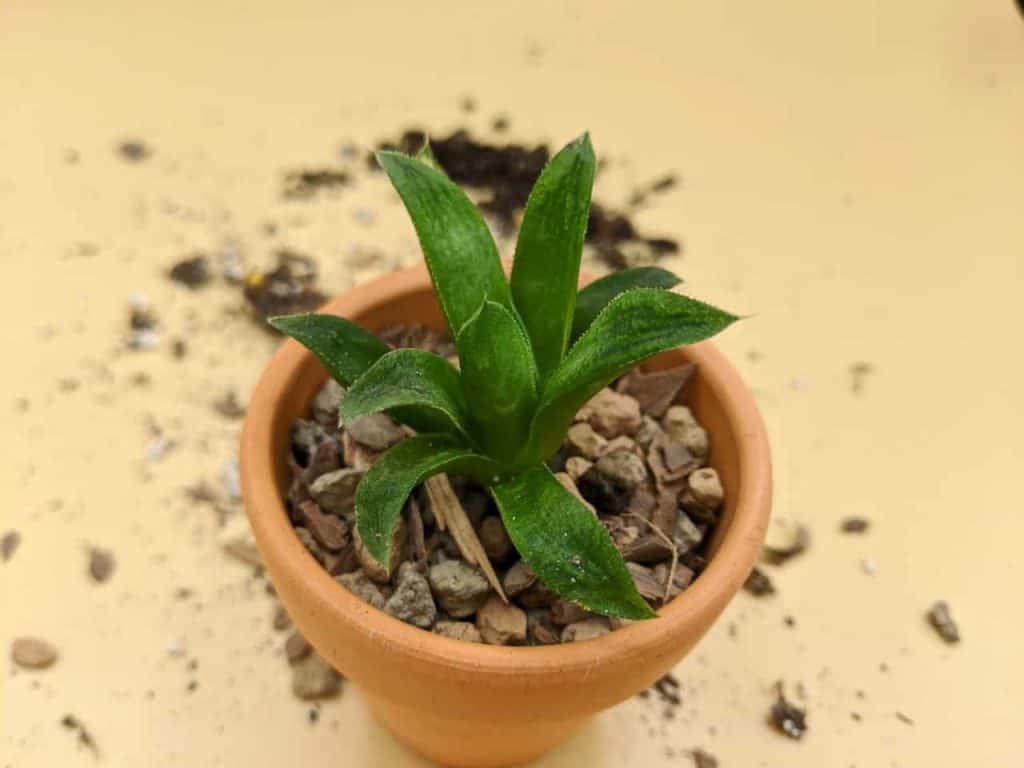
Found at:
<point>859,372</point>
<point>759,584</point>
<point>134,150</point>
<point>786,717</point>
<point>101,564</point>
<point>305,183</point>
<point>854,525</point>
<point>85,739</point>
<point>192,272</point>
<point>941,619</point>
<point>9,544</point>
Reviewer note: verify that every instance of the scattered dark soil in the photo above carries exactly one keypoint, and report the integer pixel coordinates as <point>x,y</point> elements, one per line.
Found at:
<point>858,374</point>
<point>228,406</point>
<point>618,458</point>
<point>667,689</point>
<point>9,544</point>
<point>101,564</point>
<point>288,288</point>
<point>905,719</point>
<point>179,349</point>
<point>192,272</point>
<point>786,717</point>
<point>759,584</point>
<point>304,184</point>
<point>942,620</point>
<point>702,759</point>
<point>506,172</point>
<point>134,151</point>
<point>84,737</point>
<point>854,525</point>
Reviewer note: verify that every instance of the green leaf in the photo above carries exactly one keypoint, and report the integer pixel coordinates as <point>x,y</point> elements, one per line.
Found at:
<point>389,481</point>
<point>426,155</point>
<point>345,349</point>
<point>596,296</point>
<point>458,248</point>
<point>566,546</point>
<point>634,326</point>
<point>499,379</point>
<point>411,381</point>
<point>547,261</point>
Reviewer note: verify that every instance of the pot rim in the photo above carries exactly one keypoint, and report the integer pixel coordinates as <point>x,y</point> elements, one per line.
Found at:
<point>711,591</point>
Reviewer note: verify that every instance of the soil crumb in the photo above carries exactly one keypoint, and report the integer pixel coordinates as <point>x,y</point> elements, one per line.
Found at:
<point>288,288</point>
<point>786,717</point>
<point>84,737</point>
<point>304,184</point>
<point>134,151</point>
<point>192,272</point>
<point>942,620</point>
<point>759,584</point>
<point>702,759</point>
<point>854,525</point>
<point>101,564</point>
<point>9,544</point>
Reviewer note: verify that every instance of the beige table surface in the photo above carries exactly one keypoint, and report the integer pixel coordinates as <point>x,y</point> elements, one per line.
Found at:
<point>852,177</point>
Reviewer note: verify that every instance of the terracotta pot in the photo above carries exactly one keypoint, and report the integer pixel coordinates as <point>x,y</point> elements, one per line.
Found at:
<point>464,704</point>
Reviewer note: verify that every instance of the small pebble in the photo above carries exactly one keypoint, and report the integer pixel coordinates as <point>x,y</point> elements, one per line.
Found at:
<point>281,619</point>
<point>101,564</point>
<point>33,653</point>
<point>313,678</point>
<point>296,648</point>
<point>942,620</point>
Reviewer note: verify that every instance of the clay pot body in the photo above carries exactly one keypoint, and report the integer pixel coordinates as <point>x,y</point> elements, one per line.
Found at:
<point>467,704</point>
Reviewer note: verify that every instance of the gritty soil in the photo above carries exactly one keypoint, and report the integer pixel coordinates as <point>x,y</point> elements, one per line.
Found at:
<point>636,455</point>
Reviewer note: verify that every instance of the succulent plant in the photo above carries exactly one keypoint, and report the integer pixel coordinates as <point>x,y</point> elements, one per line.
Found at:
<point>532,349</point>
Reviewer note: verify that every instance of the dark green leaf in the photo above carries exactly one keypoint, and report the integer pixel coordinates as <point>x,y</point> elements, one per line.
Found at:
<point>345,349</point>
<point>566,546</point>
<point>458,247</point>
<point>634,326</point>
<point>412,381</point>
<point>595,297</point>
<point>547,261</point>
<point>389,481</point>
<point>499,379</point>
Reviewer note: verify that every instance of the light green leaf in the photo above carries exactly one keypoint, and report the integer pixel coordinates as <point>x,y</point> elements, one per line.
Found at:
<point>345,349</point>
<point>634,326</point>
<point>566,546</point>
<point>595,296</point>
<point>499,379</point>
<point>405,378</point>
<point>426,155</point>
<point>547,261</point>
<point>389,481</point>
<point>458,248</point>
